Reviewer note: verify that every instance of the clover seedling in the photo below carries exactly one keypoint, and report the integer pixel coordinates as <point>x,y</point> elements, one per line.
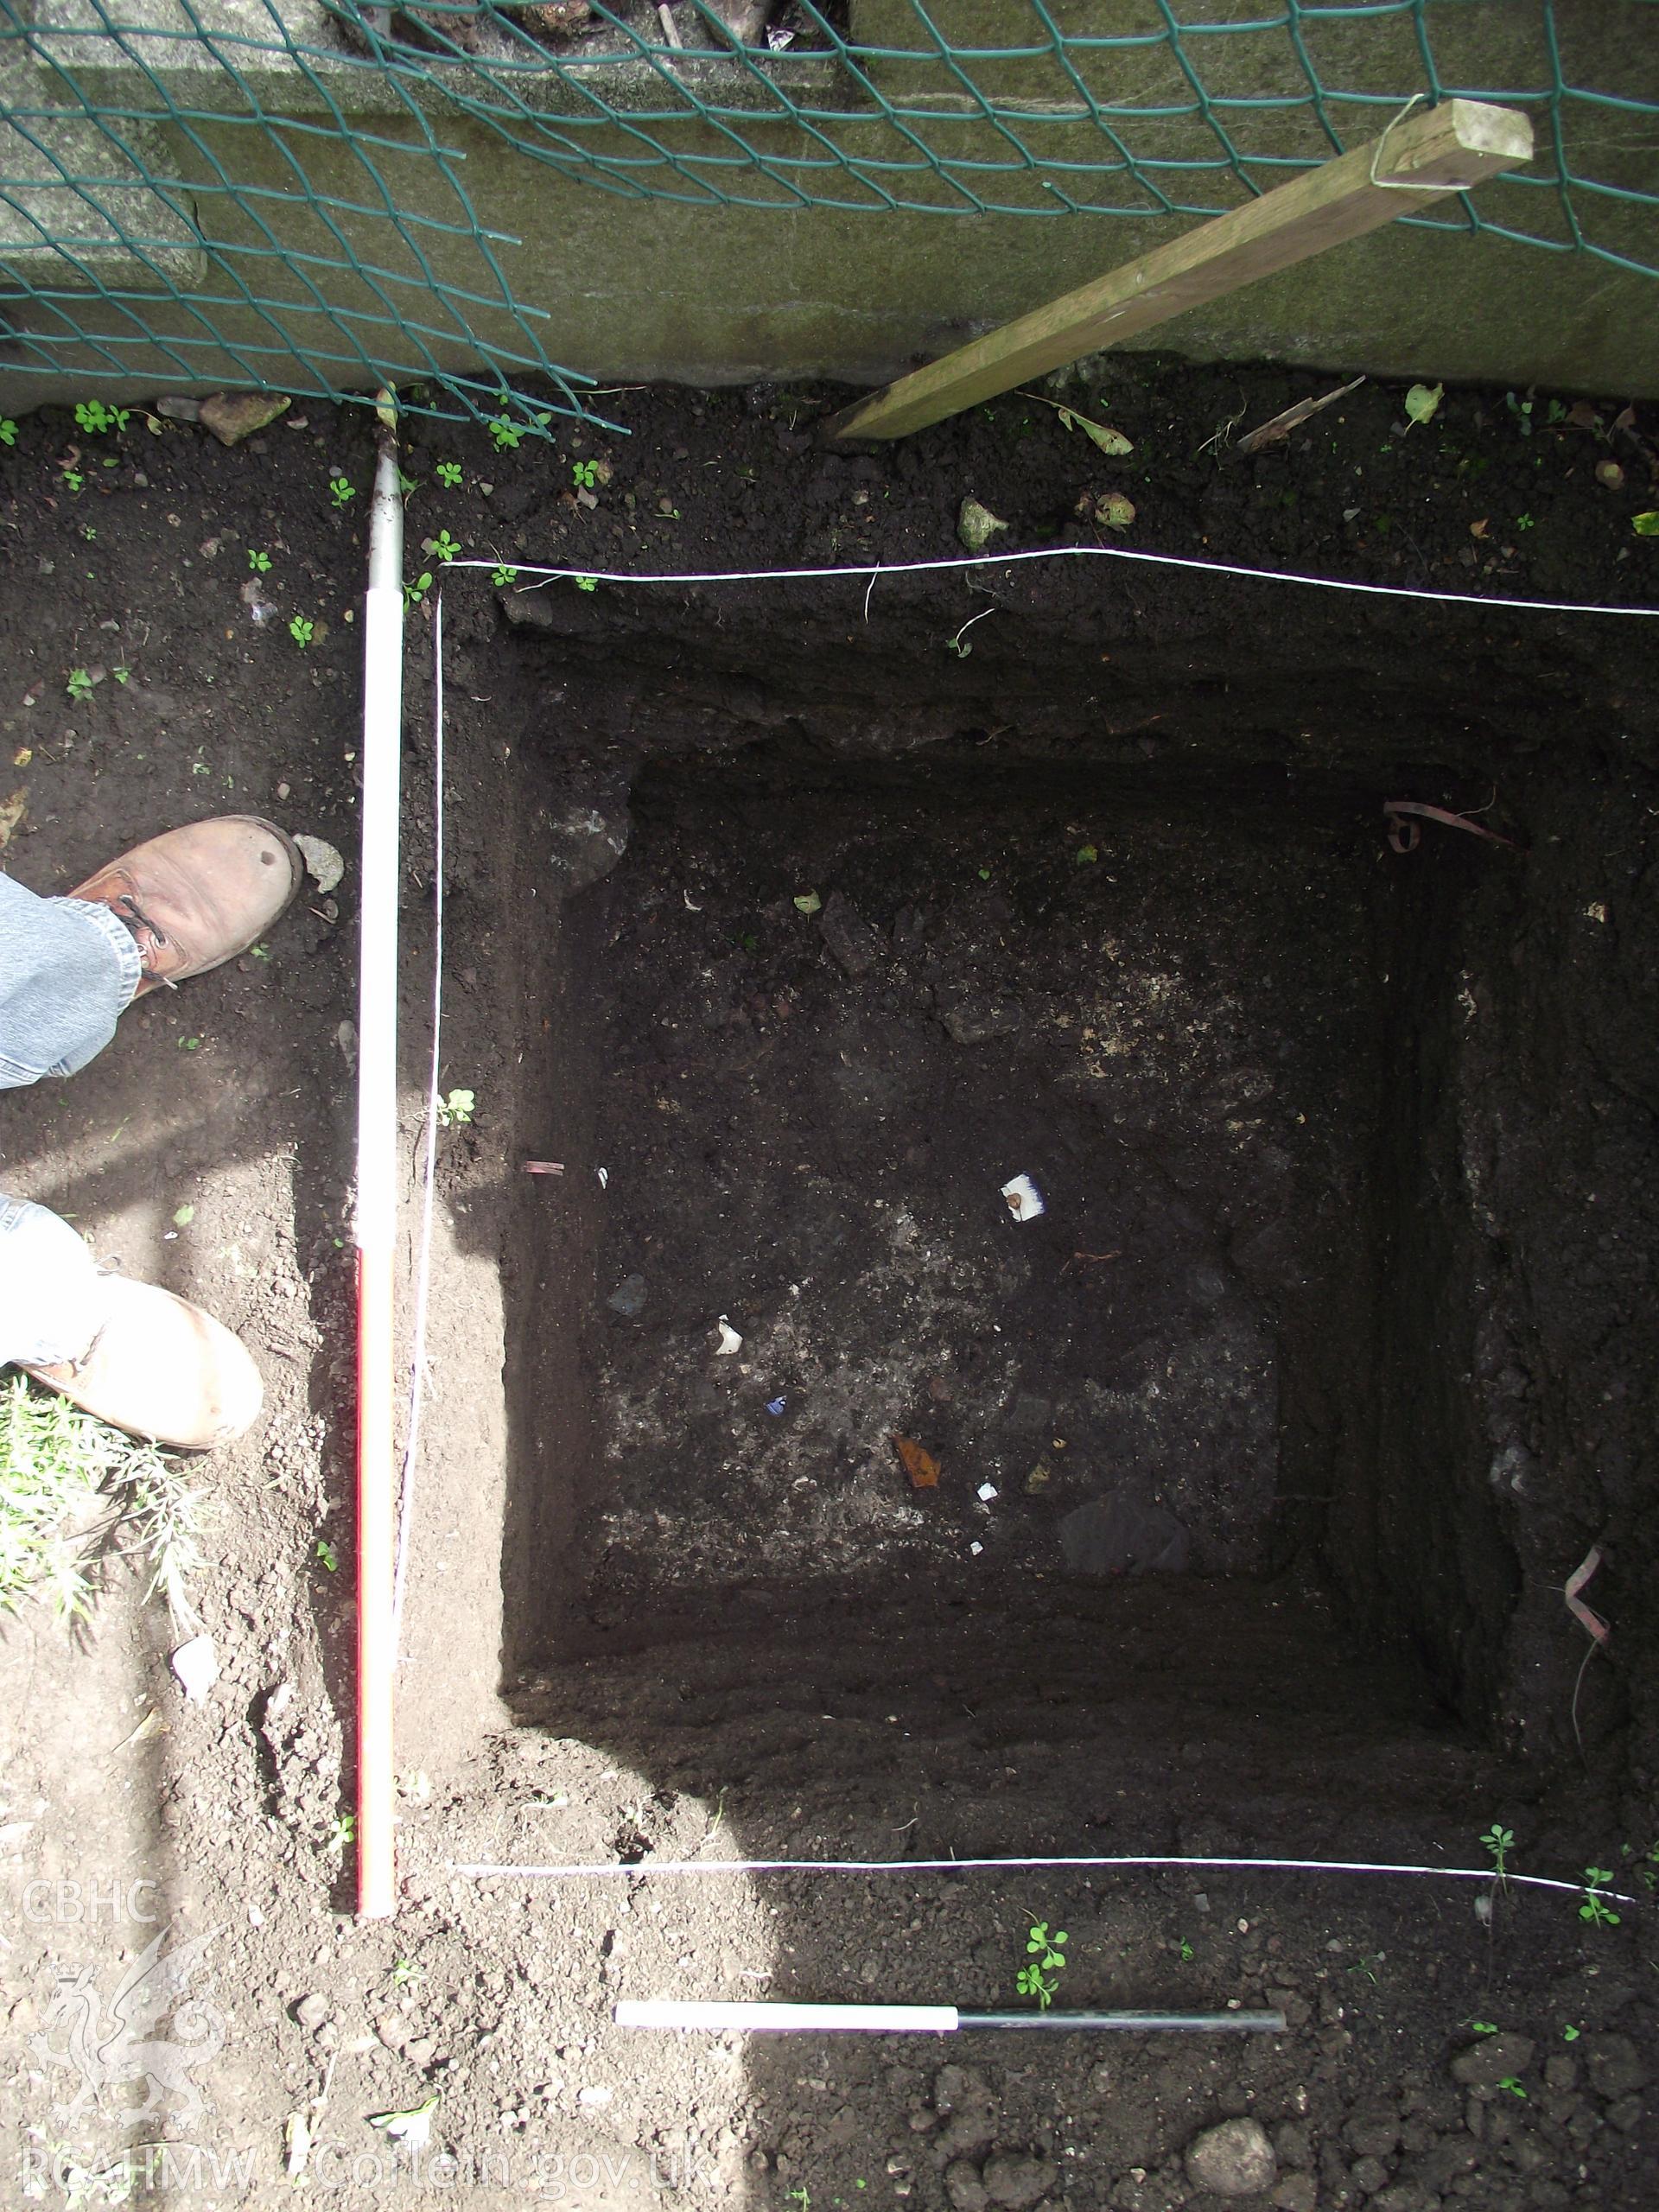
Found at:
<point>443,547</point>
<point>448,472</point>
<point>340,489</point>
<point>7,431</point>
<point>80,685</point>
<point>92,416</point>
<point>586,474</point>
<point>1498,1842</point>
<point>457,1109</point>
<point>1041,1979</point>
<point>416,592</point>
<point>326,1554</point>
<point>301,629</point>
<point>507,434</point>
<point>586,583</point>
<point>259,563</point>
<point>1595,1909</point>
<point>501,577</point>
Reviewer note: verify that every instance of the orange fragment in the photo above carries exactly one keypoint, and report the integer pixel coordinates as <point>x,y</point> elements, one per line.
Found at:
<point>919,1463</point>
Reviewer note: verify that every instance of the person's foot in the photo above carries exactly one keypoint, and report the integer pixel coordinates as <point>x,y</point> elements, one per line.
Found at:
<point>161,1368</point>
<point>196,897</point>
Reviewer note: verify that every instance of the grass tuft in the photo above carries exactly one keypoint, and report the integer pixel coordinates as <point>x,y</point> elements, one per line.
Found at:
<point>74,1491</point>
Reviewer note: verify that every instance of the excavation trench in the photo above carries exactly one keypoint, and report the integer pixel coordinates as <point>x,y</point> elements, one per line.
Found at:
<point>1274,1415</point>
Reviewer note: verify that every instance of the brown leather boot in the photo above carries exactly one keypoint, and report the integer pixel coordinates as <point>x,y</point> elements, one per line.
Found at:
<point>196,897</point>
<point>161,1368</point>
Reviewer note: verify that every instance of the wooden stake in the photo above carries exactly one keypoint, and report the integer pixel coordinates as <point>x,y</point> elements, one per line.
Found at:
<point>1419,160</point>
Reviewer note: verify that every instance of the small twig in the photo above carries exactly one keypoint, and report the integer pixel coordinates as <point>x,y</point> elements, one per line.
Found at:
<point>671,29</point>
<point>1219,437</point>
<point>1291,418</point>
<point>1594,1624</point>
<point>544,1167</point>
<point>1404,835</point>
<point>1094,1258</point>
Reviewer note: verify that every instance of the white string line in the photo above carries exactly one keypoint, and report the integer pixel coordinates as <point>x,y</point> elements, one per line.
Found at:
<point>1064,552</point>
<point>423,1242</point>
<point>617,1870</point>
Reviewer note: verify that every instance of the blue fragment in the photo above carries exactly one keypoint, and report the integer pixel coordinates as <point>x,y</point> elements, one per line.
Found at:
<point>776,1405</point>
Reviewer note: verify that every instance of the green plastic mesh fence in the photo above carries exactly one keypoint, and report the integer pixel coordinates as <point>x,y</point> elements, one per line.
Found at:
<point>308,197</point>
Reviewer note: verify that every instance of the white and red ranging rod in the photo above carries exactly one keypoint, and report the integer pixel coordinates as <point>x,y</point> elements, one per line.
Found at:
<point>760,2018</point>
<point>377,1189</point>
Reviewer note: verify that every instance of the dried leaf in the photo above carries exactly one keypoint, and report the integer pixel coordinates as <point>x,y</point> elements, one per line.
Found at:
<point>919,1463</point>
<point>1108,441</point>
<point>1478,528</point>
<point>413,2128</point>
<point>11,813</point>
<point>976,525</point>
<point>1423,401</point>
<point>1583,416</point>
<point>324,863</point>
<point>233,416</point>
<point>809,902</point>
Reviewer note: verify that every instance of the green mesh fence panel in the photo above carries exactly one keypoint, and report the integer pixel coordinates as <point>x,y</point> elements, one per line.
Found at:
<point>193,188</point>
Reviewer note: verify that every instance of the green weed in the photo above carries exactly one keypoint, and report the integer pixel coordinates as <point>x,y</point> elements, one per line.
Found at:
<point>1046,1956</point>
<point>1595,1909</point>
<point>80,685</point>
<point>95,419</point>
<point>457,1109</point>
<point>73,1492</point>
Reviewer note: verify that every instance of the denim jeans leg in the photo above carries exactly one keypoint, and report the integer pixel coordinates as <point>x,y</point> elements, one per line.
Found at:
<point>68,968</point>
<point>52,1301</point>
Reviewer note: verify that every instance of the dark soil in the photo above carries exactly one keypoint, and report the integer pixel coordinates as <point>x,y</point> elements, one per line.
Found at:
<point>1323,1368</point>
